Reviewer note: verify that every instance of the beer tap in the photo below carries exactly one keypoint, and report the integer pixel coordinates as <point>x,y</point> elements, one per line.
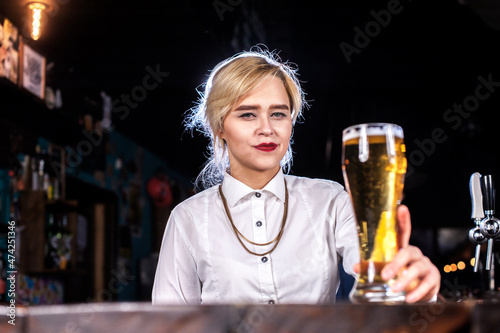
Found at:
<point>490,225</point>
<point>475,235</point>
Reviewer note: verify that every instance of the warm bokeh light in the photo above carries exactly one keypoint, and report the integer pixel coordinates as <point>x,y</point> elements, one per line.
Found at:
<point>458,266</point>
<point>36,9</point>
<point>473,262</point>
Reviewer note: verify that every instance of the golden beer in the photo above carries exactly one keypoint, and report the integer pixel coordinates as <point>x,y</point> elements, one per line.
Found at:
<point>374,166</point>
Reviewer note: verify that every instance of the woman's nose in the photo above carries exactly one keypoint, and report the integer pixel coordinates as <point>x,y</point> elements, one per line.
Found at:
<point>265,127</point>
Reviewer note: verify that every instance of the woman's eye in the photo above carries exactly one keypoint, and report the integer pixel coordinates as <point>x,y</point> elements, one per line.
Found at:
<point>246,115</point>
<point>279,115</point>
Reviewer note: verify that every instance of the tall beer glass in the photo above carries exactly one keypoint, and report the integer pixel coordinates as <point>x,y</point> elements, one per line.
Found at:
<point>374,167</point>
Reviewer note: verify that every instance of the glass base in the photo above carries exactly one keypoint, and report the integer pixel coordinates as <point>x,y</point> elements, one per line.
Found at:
<point>376,293</point>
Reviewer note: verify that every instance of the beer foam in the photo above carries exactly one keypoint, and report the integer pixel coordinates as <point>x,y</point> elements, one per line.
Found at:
<point>372,129</point>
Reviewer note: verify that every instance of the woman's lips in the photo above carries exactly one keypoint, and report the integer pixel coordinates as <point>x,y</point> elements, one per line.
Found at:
<point>266,146</point>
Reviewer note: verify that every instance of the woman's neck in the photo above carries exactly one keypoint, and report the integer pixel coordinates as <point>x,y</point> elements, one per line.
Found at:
<point>255,179</point>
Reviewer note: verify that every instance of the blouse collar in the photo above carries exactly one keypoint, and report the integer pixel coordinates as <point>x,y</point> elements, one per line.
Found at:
<point>234,190</point>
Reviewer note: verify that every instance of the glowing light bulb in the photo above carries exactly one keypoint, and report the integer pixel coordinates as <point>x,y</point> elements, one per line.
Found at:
<point>36,25</point>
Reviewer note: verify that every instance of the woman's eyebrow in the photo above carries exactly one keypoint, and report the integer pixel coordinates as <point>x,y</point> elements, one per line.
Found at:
<point>279,107</point>
<point>245,107</point>
<point>251,107</point>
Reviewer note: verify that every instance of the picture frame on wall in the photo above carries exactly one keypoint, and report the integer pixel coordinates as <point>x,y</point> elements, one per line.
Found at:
<point>9,50</point>
<point>32,71</point>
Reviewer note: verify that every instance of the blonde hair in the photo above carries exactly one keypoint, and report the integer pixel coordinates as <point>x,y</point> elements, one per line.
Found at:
<point>228,82</point>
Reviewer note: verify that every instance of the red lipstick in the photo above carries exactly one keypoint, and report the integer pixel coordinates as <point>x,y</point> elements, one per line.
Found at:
<point>266,146</point>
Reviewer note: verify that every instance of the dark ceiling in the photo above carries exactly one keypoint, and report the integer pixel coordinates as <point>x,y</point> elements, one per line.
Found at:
<point>418,59</point>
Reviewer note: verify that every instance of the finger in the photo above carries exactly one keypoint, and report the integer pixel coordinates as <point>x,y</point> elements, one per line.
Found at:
<point>403,225</point>
<point>421,279</point>
<point>410,277</point>
<point>356,268</point>
<point>400,262</point>
<point>427,288</point>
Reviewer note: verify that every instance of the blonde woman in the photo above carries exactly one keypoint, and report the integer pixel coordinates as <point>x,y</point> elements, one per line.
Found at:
<point>256,234</point>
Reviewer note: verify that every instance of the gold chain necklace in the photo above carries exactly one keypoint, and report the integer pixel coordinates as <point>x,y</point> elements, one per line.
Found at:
<point>238,234</point>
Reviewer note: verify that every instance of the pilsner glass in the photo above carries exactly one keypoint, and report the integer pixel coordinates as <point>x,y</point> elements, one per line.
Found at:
<point>374,167</point>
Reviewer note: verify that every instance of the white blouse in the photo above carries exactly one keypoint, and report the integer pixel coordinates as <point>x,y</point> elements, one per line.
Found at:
<point>202,262</point>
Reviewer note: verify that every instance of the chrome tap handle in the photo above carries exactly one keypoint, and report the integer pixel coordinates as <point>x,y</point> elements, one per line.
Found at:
<point>475,235</point>
<point>489,254</point>
<point>490,225</point>
<point>477,254</point>
<point>476,197</point>
<point>488,190</point>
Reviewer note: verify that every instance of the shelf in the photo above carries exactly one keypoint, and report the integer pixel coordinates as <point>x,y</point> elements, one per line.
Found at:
<point>89,266</point>
<point>23,109</point>
<point>62,204</point>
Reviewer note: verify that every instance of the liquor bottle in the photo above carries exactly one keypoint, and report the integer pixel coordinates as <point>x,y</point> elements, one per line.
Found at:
<point>34,174</point>
<point>51,243</point>
<point>65,243</point>
<point>41,174</point>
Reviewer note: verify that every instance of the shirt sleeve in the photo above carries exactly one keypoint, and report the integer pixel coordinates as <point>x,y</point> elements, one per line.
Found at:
<point>346,234</point>
<point>176,279</point>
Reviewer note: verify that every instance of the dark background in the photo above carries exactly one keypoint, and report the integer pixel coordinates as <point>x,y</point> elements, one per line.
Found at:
<point>425,57</point>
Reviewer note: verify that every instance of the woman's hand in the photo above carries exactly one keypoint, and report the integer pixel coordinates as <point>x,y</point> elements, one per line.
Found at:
<point>413,271</point>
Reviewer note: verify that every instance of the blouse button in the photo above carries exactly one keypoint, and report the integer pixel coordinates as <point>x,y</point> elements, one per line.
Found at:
<point>264,259</point>
<point>258,223</point>
<point>257,195</point>
<point>271,302</point>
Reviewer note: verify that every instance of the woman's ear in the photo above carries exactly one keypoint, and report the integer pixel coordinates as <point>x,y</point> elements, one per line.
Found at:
<point>220,134</point>
<point>222,142</point>
<point>221,138</point>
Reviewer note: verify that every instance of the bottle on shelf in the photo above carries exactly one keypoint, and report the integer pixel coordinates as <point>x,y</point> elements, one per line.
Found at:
<point>65,243</point>
<point>51,242</point>
<point>34,174</point>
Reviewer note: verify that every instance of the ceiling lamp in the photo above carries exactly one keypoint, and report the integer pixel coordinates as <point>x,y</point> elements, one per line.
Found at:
<point>39,9</point>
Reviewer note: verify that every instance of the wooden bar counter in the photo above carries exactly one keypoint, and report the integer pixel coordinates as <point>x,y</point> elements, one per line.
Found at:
<point>470,316</point>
